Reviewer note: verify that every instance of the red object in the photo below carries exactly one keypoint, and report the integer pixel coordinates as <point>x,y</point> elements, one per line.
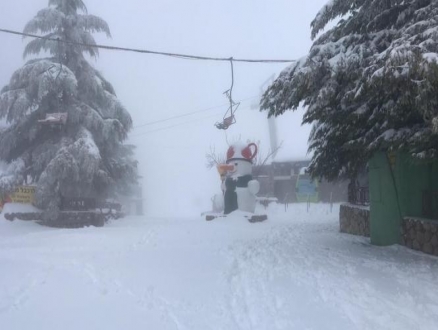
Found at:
<point>246,153</point>
<point>230,152</point>
<point>227,122</point>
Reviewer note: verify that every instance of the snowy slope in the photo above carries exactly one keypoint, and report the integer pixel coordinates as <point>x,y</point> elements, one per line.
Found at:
<point>294,271</point>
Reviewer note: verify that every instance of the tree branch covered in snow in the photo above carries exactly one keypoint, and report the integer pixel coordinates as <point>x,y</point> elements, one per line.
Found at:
<point>369,83</point>
<point>85,157</point>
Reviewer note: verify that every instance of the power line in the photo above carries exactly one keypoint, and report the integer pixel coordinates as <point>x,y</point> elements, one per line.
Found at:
<point>144,51</point>
<point>189,113</point>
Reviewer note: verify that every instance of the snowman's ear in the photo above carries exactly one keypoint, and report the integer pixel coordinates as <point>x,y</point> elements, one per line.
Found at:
<point>254,153</point>
<point>230,152</point>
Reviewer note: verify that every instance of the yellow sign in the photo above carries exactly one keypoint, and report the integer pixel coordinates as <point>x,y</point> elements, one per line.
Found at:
<point>23,195</point>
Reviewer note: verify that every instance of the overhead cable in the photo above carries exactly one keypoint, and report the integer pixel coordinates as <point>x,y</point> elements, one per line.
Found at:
<point>189,113</point>
<point>144,51</point>
<point>173,126</point>
<point>176,125</point>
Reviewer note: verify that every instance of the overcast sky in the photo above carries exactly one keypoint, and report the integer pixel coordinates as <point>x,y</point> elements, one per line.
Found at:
<point>172,153</point>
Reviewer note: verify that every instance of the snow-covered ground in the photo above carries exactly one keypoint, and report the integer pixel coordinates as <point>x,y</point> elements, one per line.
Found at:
<point>294,271</point>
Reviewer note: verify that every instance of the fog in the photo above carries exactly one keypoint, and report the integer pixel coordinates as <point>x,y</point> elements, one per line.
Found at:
<point>171,153</point>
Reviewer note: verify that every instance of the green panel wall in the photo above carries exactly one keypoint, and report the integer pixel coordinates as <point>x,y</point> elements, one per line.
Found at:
<point>396,191</point>
<point>412,179</point>
<point>434,184</point>
<point>385,217</point>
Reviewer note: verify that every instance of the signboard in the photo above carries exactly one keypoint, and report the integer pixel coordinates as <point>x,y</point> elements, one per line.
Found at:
<point>21,194</point>
<point>306,189</point>
<point>78,204</point>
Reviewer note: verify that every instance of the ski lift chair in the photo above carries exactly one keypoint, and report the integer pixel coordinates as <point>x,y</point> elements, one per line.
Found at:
<point>226,123</point>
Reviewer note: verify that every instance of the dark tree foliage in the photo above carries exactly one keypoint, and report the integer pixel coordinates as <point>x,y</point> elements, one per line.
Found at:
<point>370,83</point>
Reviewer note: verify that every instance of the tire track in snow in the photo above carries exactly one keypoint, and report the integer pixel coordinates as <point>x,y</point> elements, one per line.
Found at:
<point>366,286</point>
<point>313,277</point>
<point>251,302</point>
<point>106,284</point>
<point>360,281</point>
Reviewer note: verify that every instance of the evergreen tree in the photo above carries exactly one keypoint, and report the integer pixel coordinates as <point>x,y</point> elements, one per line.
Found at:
<point>370,83</point>
<point>85,157</point>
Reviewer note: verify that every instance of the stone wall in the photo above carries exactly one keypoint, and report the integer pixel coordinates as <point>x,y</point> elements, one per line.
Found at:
<point>354,220</point>
<point>420,235</point>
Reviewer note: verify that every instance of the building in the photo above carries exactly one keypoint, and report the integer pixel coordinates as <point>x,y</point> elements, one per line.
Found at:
<point>285,177</point>
<point>289,182</point>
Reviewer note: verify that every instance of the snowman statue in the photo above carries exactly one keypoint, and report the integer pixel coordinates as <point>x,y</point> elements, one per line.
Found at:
<point>239,188</point>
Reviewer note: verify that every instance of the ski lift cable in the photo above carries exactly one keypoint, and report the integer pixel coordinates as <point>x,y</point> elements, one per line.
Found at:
<point>172,126</point>
<point>176,125</point>
<point>145,51</point>
<point>189,113</point>
<point>226,122</point>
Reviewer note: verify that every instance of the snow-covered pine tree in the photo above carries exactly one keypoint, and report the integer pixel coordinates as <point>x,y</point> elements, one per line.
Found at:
<point>86,157</point>
<point>369,83</point>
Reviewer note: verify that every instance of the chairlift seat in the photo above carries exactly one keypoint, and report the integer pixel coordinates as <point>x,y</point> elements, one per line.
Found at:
<point>226,123</point>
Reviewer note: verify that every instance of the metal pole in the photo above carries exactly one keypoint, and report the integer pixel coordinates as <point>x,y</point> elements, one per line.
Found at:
<point>286,202</point>
<point>331,202</point>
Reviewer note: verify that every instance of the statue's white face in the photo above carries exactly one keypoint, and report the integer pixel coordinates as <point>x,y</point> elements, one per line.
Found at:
<point>240,168</point>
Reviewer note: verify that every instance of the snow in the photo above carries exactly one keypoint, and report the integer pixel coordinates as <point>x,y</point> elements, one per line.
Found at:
<point>430,57</point>
<point>294,271</point>
<point>86,141</point>
<point>361,207</point>
<point>17,208</point>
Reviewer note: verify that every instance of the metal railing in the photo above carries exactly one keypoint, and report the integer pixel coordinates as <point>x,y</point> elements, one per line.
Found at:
<point>286,202</point>
<point>359,195</point>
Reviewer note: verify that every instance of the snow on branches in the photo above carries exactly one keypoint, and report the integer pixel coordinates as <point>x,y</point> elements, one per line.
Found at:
<point>85,156</point>
<point>31,84</point>
<point>370,82</point>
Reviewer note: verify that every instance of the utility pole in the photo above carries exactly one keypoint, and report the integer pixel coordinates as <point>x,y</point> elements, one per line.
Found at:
<point>273,137</point>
